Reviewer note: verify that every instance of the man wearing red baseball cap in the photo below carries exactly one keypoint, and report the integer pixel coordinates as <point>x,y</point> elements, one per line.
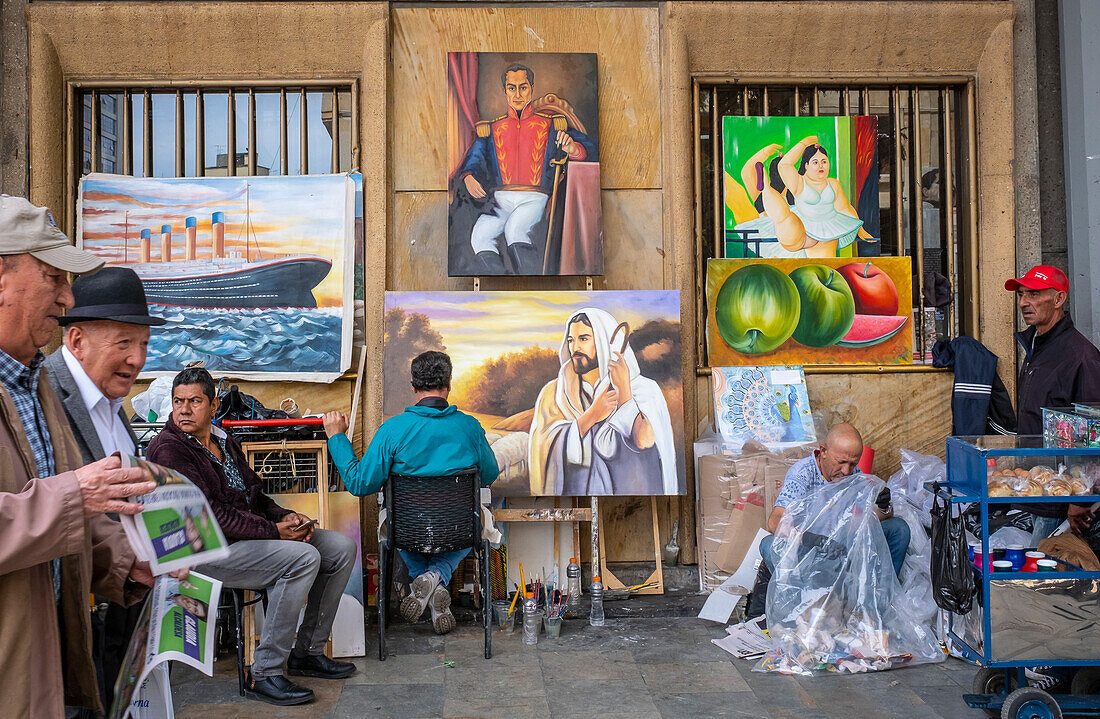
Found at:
<point>1061,367</point>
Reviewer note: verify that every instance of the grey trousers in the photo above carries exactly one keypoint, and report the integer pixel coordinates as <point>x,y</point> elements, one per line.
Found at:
<point>313,574</point>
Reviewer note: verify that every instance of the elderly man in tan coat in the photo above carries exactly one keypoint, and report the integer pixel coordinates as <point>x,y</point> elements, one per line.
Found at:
<point>55,544</point>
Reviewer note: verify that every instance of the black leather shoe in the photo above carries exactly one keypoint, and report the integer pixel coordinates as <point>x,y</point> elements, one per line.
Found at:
<point>276,690</point>
<point>318,666</point>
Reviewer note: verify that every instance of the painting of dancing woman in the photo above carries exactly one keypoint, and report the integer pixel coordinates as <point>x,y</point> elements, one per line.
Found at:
<point>791,200</point>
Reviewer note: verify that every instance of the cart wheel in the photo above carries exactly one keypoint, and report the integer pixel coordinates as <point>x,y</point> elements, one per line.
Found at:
<point>992,681</point>
<point>1030,703</point>
<point>1086,681</point>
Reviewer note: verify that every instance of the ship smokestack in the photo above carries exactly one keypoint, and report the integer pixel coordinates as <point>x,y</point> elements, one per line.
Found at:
<point>218,227</point>
<point>165,243</point>
<point>146,242</point>
<point>191,228</point>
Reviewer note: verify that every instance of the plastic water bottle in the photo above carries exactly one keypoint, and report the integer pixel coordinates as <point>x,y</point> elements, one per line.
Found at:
<point>530,620</point>
<point>595,596</point>
<point>573,581</point>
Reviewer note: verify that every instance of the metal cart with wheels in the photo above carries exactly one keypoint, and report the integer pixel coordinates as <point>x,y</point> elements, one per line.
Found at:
<point>1022,619</point>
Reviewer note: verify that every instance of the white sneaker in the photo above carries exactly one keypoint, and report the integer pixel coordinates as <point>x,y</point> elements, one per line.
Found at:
<point>442,619</point>
<point>412,606</point>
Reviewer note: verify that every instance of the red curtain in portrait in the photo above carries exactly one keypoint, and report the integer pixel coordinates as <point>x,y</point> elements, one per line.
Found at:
<point>462,113</point>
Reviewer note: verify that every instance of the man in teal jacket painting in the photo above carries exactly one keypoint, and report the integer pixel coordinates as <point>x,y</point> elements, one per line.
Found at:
<point>430,439</point>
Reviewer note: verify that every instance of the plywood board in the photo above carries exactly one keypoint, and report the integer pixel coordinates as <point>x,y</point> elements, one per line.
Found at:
<point>626,40</point>
<point>633,246</point>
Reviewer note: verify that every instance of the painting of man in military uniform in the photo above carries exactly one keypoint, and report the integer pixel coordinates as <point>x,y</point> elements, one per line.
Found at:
<point>523,156</point>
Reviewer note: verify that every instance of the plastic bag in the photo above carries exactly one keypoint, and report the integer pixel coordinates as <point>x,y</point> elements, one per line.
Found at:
<point>156,400</point>
<point>953,585</point>
<point>1009,536</point>
<point>916,572</point>
<point>835,604</point>
<point>908,482</point>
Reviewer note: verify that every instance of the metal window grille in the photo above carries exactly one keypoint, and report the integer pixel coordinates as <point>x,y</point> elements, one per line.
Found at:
<point>214,129</point>
<point>926,134</point>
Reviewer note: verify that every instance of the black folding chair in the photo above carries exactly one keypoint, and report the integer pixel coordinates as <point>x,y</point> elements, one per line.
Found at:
<point>238,606</point>
<point>432,515</point>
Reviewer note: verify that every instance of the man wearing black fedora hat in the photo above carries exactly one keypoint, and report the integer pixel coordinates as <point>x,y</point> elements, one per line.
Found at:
<point>106,336</point>
<point>106,340</point>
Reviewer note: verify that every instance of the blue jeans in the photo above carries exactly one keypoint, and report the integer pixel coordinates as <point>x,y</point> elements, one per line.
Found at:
<point>445,564</point>
<point>897,539</point>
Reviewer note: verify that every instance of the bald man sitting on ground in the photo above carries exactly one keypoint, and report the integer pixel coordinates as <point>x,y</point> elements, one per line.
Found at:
<point>833,461</point>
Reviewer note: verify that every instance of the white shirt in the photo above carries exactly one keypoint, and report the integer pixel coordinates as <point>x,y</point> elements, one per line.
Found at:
<point>104,412</point>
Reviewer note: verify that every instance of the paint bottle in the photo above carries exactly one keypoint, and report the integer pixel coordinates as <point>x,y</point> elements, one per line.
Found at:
<point>531,620</point>
<point>573,583</point>
<point>595,596</point>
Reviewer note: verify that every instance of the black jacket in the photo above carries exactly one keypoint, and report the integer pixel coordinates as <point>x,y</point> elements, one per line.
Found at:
<point>979,401</point>
<point>1062,367</point>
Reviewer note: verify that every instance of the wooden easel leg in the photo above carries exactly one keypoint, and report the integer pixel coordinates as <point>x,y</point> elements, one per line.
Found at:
<point>657,578</point>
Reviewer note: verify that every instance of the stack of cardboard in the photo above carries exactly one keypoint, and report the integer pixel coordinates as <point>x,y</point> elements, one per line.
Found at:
<point>736,495</point>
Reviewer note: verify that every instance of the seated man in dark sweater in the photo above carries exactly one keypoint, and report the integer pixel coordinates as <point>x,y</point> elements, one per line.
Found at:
<point>270,547</point>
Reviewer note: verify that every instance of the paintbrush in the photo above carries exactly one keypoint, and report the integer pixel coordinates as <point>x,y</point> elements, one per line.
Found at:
<point>514,600</point>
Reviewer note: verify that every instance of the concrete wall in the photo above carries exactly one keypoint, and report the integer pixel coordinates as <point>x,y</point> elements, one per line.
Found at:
<point>1080,22</point>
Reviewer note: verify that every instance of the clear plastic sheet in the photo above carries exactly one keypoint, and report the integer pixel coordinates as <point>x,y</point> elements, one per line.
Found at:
<point>835,604</point>
<point>908,482</point>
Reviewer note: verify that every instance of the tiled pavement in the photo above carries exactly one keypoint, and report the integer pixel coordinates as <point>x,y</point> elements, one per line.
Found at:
<point>633,668</point>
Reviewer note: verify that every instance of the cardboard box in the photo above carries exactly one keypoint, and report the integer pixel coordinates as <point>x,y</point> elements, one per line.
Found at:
<point>746,520</point>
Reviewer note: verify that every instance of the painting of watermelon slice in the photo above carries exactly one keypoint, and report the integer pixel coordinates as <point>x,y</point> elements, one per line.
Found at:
<point>869,330</point>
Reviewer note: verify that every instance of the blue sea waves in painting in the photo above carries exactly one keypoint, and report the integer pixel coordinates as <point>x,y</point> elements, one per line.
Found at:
<point>226,340</point>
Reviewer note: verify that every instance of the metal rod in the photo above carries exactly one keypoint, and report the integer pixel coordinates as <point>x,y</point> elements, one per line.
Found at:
<point>288,81</point>
<point>767,111</point>
<point>797,106</point>
<point>884,82</point>
<point>180,169</point>
<point>852,369</point>
<point>847,104</point>
<point>972,319</point>
<point>916,207</point>
<point>947,204</point>
<point>744,100</point>
<point>896,180</point>
<point>93,121</point>
<point>865,101</point>
<point>147,137</point>
<point>817,108</point>
<point>284,161</point>
<point>127,116</point>
<point>716,163</point>
<point>200,134</point>
<point>303,161</point>
<point>700,267</point>
<point>251,131</point>
<point>335,162</point>
<point>231,135</point>
<point>355,126</point>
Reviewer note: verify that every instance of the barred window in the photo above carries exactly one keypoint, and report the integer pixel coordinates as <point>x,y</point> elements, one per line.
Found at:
<point>926,186</point>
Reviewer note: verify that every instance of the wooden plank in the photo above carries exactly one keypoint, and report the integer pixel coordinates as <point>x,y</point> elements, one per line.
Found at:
<point>626,40</point>
<point>559,514</point>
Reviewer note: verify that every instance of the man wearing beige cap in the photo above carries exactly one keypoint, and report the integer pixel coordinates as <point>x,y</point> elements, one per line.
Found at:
<point>56,545</point>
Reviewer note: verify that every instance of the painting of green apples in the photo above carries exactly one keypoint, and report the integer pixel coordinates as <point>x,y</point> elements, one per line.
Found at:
<point>809,311</point>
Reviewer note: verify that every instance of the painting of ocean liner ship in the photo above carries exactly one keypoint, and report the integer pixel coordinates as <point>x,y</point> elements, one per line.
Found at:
<point>228,279</point>
<point>254,275</point>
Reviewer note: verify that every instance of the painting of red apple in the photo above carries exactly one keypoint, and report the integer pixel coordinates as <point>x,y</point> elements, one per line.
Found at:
<point>845,313</point>
<point>873,290</point>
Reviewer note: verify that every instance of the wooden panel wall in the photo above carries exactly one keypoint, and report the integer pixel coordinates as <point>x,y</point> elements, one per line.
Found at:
<point>635,246</point>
